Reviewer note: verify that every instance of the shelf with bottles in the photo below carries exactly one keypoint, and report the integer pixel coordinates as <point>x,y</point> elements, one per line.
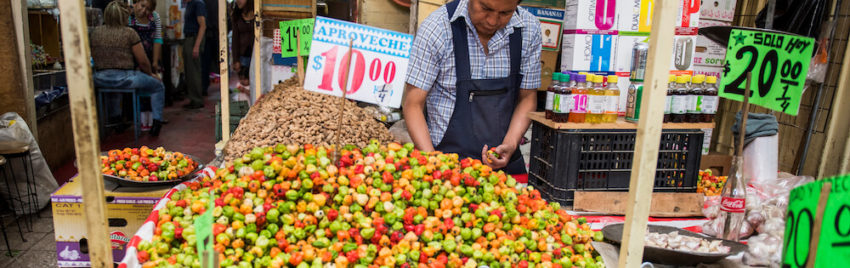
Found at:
<point>621,123</point>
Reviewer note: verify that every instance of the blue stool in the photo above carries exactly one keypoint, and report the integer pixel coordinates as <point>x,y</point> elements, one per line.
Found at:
<point>136,118</point>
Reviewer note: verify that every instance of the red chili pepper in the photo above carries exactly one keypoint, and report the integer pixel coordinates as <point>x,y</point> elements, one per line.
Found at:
<point>387,177</point>
<point>420,228</point>
<point>181,203</point>
<point>332,214</point>
<point>178,233</point>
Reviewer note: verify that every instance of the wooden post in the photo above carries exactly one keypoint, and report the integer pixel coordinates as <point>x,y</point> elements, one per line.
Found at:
<point>22,31</point>
<point>742,129</point>
<point>299,60</point>
<point>84,121</point>
<point>338,132</point>
<point>224,70</point>
<point>258,35</point>
<point>648,133</point>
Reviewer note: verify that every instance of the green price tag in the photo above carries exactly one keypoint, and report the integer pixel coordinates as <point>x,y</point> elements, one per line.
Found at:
<point>778,63</point>
<point>834,244</point>
<point>289,37</point>
<point>203,230</point>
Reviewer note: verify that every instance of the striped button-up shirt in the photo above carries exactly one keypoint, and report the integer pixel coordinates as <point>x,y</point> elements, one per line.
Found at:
<point>432,62</point>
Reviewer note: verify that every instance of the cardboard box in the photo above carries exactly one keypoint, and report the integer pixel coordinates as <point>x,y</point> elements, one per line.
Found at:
<point>126,208</point>
<point>548,62</point>
<point>590,15</point>
<point>722,10</point>
<point>708,52</point>
<point>551,21</point>
<point>588,51</point>
<point>720,164</point>
<point>636,15</point>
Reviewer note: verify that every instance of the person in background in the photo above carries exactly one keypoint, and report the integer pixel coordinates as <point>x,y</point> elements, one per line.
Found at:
<point>474,69</point>
<point>194,29</point>
<point>242,25</point>
<point>209,58</point>
<point>114,48</point>
<point>244,88</point>
<point>148,25</point>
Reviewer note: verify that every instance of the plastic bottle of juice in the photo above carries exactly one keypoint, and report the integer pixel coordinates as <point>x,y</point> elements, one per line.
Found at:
<point>696,99</point>
<point>710,101</point>
<point>550,96</point>
<point>560,110</point>
<point>567,102</point>
<point>595,101</point>
<point>671,86</point>
<point>612,100</point>
<point>577,114</point>
<point>679,106</point>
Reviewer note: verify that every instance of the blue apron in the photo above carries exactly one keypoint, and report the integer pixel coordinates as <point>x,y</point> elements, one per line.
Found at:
<point>483,107</point>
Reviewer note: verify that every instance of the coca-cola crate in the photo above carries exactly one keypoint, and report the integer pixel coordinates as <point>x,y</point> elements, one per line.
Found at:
<point>565,160</point>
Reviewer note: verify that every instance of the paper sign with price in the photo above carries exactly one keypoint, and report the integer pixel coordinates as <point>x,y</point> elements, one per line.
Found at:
<point>289,37</point>
<point>834,244</point>
<point>378,62</point>
<point>778,62</point>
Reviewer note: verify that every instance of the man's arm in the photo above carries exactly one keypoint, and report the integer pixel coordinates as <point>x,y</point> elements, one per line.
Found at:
<point>414,117</point>
<point>202,22</point>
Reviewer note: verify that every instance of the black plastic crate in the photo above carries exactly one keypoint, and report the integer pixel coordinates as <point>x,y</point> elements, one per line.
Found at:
<point>563,161</point>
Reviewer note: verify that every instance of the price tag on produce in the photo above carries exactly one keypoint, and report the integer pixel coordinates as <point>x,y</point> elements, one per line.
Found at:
<point>289,37</point>
<point>378,64</point>
<point>778,62</point>
<point>833,248</point>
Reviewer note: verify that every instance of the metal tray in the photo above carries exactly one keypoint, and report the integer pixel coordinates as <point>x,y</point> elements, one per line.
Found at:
<point>614,233</point>
<point>131,183</point>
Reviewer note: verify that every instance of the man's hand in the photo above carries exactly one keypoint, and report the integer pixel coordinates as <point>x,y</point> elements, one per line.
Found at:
<point>501,158</point>
<point>196,52</point>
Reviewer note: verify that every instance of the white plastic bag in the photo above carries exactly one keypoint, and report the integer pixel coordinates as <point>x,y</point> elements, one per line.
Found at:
<point>760,160</point>
<point>13,128</point>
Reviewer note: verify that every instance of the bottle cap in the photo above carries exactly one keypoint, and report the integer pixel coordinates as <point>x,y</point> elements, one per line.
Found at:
<point>597,79</point>
<point>565,77</point>
<point>681,79</point>
<point>581,78</point>
<point>612,79</point>
<point>698,79</point>
<point>556,77</point>
<point>711,79</point>
<point>687,77</point>
<point>672,78</point>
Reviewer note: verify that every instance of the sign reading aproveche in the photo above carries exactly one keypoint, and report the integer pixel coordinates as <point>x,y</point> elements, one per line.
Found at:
<point>289,37</point>
<point>778,63</point>
<point>378,64</point>
<point>833,248</point>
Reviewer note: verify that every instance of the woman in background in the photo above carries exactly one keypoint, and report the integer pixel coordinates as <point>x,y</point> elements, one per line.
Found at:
<point>148,25</point>
<point>242,25</point>
<point>116,50</point>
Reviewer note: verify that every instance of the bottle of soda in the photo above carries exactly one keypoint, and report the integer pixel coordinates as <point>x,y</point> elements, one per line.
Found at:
<point>567,102</point>
<point>678,110</point>
<point>550,96</point>
<point>668,102</point>
<point>595,101</point>
<point>710,101</point>
<point>695,99</point>
<point>561,110</point>
<point>733,202</point>
<point>579,110</point>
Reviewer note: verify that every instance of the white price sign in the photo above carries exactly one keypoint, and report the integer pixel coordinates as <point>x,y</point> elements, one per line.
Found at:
<point>378,62</point>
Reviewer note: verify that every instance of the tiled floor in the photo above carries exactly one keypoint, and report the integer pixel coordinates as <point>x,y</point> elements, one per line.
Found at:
<point>40,248</point>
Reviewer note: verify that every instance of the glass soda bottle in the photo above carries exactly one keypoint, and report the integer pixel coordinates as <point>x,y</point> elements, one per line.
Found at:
<point>668,102</point>
<point>612,100</point>
<point>561,110</point>
<point>550,96</point>
<point>733,202</point>
<point>577,114</point>
<point>695,99</point>
<point>595,101</point>
<point>710,100</point>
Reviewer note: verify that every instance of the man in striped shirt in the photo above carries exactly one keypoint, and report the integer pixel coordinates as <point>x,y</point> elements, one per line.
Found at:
<point>472,79</point>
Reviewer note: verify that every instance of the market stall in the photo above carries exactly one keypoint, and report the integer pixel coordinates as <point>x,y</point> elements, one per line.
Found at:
<point>309,178</point>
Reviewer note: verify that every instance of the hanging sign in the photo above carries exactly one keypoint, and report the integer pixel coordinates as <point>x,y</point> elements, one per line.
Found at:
<point>289,37</point>
<point>778,62</point>
<point>378,65</point>
<point>833,244</point>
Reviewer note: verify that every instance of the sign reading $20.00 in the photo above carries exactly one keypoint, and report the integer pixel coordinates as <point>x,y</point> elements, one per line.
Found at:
<point>778,63</point>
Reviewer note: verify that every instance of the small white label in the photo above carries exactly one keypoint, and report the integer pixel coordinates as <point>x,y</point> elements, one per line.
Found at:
<point>709,104</point>
<point>567,103</point>
<point>596,104</point>
<point>550,97</point>
<point>668,104</point>
<point>612,104</point>
<point>691,101</point>
<point>680,104</point>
